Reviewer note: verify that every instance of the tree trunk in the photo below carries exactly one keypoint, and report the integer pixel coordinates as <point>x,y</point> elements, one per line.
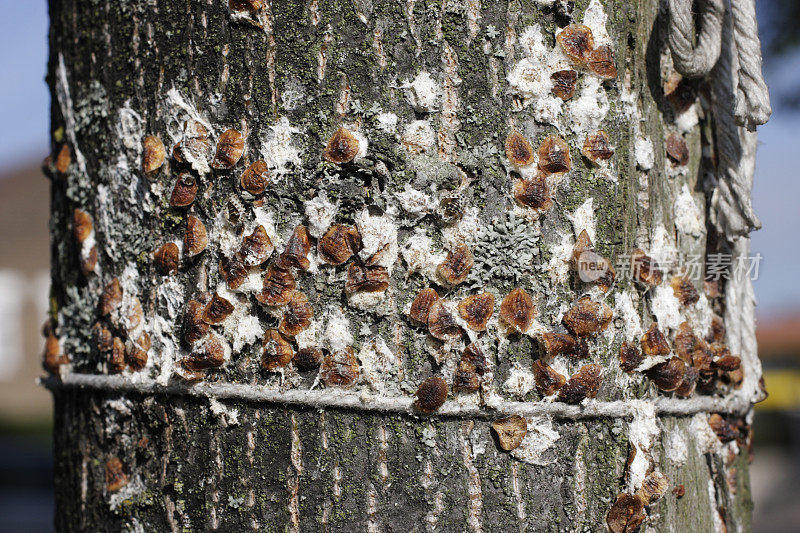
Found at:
<point>427,93</point>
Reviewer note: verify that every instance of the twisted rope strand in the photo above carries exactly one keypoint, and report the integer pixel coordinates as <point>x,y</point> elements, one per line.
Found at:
<point>735,404</point>
<point>752,95</point>
<point>695,61</point>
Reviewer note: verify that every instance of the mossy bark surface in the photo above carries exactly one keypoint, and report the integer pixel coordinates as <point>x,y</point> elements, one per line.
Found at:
<point>121,70</point>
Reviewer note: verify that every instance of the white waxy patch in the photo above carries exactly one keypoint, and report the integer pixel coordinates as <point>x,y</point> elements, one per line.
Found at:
<point>363,144</point>
<point>419,256</point>
<point>676,448</point>
<point>277,149</point>
<point>700,316</point>
<point>309,337</point>
<point>414,202</point>
<point>520,381</point>
<point>378,364</point>
<point>662,248</point>
<point>418,136</point>
<point>583,219</point>
<point>530,78</point>
<point>587,112</point>
<point>378,239</point>
<point>558,266</point>
<point>228,415</point>
<point>466,230</point>
<point>688,219</point>
<point>645,156</point>
<point>642,434</point>
<point>423,93</point>
<point>380,303</point>
<point>540,438</point>
<point>666,307</point>
<point>319,213</point>
<point>625,310</point>
<point>130,128</point>
<point>387,122</point>
<point>128,493</point>
<point>705,439</point>
<point>595,18</point>
<point>337,331</point>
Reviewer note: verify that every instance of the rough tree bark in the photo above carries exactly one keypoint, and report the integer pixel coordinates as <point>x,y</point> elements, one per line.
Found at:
<point>429,92</point>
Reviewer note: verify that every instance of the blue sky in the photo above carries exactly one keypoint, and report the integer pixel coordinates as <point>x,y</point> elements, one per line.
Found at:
<point>24,116</point>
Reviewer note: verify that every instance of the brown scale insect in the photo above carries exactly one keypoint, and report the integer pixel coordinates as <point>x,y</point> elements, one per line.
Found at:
<point>194,328</point>
<point>680,92</point>
<point>217,310</point>
<point>626,514</point>
<point>653,487</point>
<point>167,258</point>
<point>421,305</point>
<point>441,323</point>
<point>510,431</point>
<point>63,160</point>
<point>277,351</point>
<point>209,354</point>
<point>103,338</point>
<point>465,379</point>
<point>230,147</point>
<point>81,225</point>
<point>722,428</point>
<point>89,262</point>
<point>702,357</point>
<point>645,269</point>
<point>677,150</point>
<point>582,245</point>
<point>195,240</point>
<point>256,247</point>
<point>684,290</point>
<point>308,358</point>
<point>53,358</point>
<point>116,358</point>
<point>518,149</point>
<point>583,384</point>
<point>554,155</point>
<point>341,148</point>
<point>728,363</point>
<point>431,394</point>
<point>136,352</point>
<point>548,381</point>
<point>654,342</point>
<point>717,331</point>
<point>184,192</point>
<point>668,375</point>
<point>296,253</point>
<point>456,265</point>
<point>153,154</point>
<point>601,62</point>
<point>475,356</point>
<point>233,271</point>
<point>685,342</point>
<point>629,357</point>
<point>297,316</point>
<point>250,6</point>
<point>340,369</point>
<point>564,83</point>
<point>362,278</point>
<point>339,244</point>
<point>517,310</point>
<point>577,41</point>
<point>256,178</point>
<point>587,317</point>
<point>597,147</point>
<point>688,383</point>
<point>277,287</point>
<point>533,193</point>
<point>111,298</point>
<point>134,315</point>
<point>476,310</point>
<point>679,491</point>
<point>564,344</point>
<point>116,478</point>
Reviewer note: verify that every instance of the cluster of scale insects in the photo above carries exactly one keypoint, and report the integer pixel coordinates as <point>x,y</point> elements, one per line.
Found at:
<point>698,364</point>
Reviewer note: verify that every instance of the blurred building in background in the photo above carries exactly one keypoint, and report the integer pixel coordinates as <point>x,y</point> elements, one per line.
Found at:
<point>24,285</point>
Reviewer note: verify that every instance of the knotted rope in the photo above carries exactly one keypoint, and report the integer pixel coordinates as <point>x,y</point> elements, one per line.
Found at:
<point>728,48</point>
